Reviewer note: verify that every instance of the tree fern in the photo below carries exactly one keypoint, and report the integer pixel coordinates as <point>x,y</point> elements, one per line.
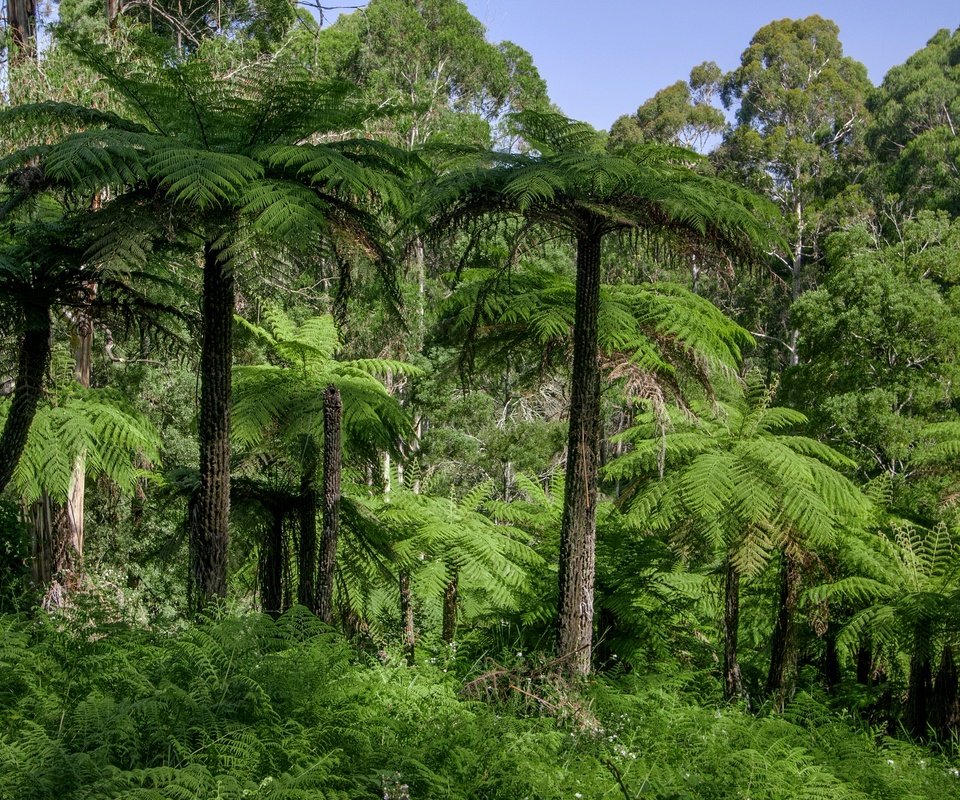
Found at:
<point>224,165</point>
<point>115,437</point>
<point>739,488</point>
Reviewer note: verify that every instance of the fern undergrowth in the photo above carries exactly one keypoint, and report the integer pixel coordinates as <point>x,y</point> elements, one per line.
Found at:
<point>245,707</point>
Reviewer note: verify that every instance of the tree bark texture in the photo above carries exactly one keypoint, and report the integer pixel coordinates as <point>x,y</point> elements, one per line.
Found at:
<point>22,21</point>
<point>271,565</point>
<point>864,663</point>
<point>307,551</point>
<point>211,529</point>
<point>406,615</point>
<point>49,554</point>
<point>783,645</point>
<point>578,531</point>
<point>732,678</point>
<point>32,363</point>
<point>918,695</point>
<point>332,467</point>
<point>81,340</point>
<point>945,703</point>
<point>450,604</point>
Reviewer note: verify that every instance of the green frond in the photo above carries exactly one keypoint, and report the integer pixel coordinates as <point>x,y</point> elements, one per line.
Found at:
<point>67,116</point>
<point>98,425</point>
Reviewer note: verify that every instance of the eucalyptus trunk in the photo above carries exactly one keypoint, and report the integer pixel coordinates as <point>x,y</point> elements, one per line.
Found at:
<point>81,340</point>
<point>32,360</point>
<point>783,645</point>
<point>211,528</point>
<point>406,616</point>
<point>22,22</point>
<point>450,603</point>
<point>332,466</point>
<point>578,531</point>
<point>732,678</point>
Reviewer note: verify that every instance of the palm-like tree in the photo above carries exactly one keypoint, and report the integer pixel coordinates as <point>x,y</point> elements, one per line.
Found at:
<point>46,265</point>
<point>569,182</point>
<point>245,166</point>
<point>740,488</point>
<point>303,400</point>
<point>905,587</point>
<point>460,550</point>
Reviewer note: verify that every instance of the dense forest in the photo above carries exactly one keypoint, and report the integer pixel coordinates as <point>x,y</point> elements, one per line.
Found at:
<point>370,429</point>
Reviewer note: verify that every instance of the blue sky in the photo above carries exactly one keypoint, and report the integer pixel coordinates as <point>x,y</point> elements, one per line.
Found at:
<point>603,58</point>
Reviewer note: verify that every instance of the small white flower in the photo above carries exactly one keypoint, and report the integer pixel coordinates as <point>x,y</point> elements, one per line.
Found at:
<point>890,762</point>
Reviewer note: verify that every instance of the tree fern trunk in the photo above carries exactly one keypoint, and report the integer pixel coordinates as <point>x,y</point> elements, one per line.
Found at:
<point>211,530</point>
<point>578,531</point>
<point>945,701</point>
<point>450,603</point>
<point>271,565</point>
<point>732,679</point>
<point>53,558</point>
<point>918,694</point>
<point>832,674</point>
<point>406,615</point>
<point>332,457</point>
<point>783,645</point>
<point>307,552</point>
<point>864,663</point>
<point>32,363</point>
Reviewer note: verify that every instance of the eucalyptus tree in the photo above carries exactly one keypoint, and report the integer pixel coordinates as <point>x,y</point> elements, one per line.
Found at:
<point>738,489</point>
<point>801,119</point>
<point>247,166</point>
<point>879,343</point>
<point>431,59</point>
<point>680,114</point>
<point>914,132</point>
<point>569,183</point>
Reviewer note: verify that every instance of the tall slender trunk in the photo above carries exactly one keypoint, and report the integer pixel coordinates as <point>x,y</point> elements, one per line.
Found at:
<point>49,556</point>
<point>307,551</point>
<point>945,702</point>
<point>864,663</point>
<point>796,286</point>
<point>22,22</point>
<point>406,614</point>
<point>578,531</point>
<point>271,565</point>
<point>783,645</point>
<point>918,695</point>
<point>831,660</point>
<point>732,679</point>
<point>81,340</point>
<point>332,458</point>
<point>32,363</point>
<point>450,603</point>
<point>211,531</point>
